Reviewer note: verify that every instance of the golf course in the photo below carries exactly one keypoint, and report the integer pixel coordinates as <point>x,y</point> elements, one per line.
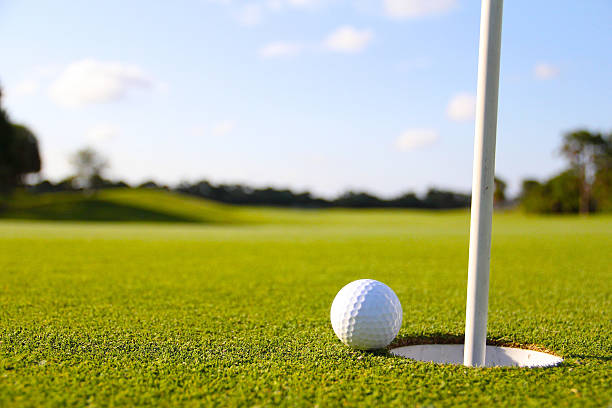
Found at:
<point>195,303</point>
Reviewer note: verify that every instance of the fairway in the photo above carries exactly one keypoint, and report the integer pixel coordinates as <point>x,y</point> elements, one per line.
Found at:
<point>237,314</point>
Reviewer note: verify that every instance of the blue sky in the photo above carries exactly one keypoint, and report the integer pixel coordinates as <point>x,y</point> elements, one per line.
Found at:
<point>326,95</point>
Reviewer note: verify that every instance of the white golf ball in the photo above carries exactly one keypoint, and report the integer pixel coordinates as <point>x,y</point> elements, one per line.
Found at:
<point>366,314</point>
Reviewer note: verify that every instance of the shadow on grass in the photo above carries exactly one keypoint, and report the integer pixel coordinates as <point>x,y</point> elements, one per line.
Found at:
<point>445,338</point>
<point>92,210</point>
<point>434,338</point>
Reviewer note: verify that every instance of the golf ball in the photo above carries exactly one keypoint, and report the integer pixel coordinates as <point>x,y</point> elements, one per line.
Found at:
<point>366,314</point>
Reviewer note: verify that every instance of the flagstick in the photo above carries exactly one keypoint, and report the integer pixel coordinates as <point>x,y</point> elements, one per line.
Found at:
<point>483,184</point>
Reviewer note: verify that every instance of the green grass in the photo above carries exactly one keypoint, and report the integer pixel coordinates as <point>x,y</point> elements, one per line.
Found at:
<point>236,313</point>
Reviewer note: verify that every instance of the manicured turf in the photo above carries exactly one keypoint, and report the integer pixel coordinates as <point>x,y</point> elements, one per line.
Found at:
<point>190,314</point>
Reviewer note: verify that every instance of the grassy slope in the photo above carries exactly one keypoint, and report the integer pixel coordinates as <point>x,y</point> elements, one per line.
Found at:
<point>119,205</point>
<point>152,314</point>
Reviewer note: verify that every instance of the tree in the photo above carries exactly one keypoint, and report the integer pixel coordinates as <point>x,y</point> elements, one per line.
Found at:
<point>499,196</point>
<point>26,154</point>
<point>19,153</point>
<point>582,148</point>
<point>532,199</point>
<point>6,135</point>
<point>564,194</point>
<point>406,200</point>
<point>89,165</point>
<point>560,194</point>
<point>586,186</point>
<point>602,184</point>
<point>358,199</point>
<point>442,199</point>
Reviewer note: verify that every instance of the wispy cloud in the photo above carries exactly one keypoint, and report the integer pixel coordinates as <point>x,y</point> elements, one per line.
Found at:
<point>462,107</point>
<point>406,9</point>
<point>250,15</point>
<point>304,3</point>
<point>197,131</point>
<point>344,39</point>
<point>280,49</point>
<point>413,139</point>
<point>33,81</point>
<point>254,12</point>
<point>545,71</point>
<point>277,4</point>
<point>223,128</point>
<point>91,81</point>
<point>347,39</point>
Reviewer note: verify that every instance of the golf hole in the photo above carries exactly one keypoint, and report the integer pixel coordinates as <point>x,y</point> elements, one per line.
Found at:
<point>496,356</point>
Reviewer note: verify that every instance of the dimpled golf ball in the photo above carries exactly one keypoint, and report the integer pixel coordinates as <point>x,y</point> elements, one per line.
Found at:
<point>366,314</point>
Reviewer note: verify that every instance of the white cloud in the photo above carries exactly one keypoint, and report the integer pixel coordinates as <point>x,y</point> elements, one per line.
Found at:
<point>404,9</point>
<point>280,49</point>
<point>416,138</point>
<point>250,15</point>
<point>462,107</point>
<point>90,81</point>
<point>545,71</point>
<point>223,128</point>
<point>347,39</point>
<point>102,132</point>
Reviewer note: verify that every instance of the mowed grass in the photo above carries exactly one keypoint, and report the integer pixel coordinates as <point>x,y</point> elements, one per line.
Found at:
<point>118,314</point>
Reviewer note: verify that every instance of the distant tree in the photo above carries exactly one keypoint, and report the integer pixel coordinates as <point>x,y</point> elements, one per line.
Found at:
<point>26,154</point>
<point>441,199</point>
<point>585,187</point>
<point>6,137</point>
<point>602,184</point>
<point>499,196</point>
<point>245,195</point>
<point>149,184</point>
<point>531,196</point>
<point>560,194</point>
<point>564,193</point>
<point>407,200</point>
<point>89,165</point>
<point>19,153</point>
<point>66,184</point>
<point>582,148</point>
<point>354,199</point>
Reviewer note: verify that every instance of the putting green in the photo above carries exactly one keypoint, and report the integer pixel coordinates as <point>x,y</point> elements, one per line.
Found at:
<point>98,314</point>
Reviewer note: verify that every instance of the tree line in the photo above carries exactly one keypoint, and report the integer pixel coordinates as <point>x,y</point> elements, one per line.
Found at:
<point>585,186</point>
<point>89,167</point>
<point>240,194</point>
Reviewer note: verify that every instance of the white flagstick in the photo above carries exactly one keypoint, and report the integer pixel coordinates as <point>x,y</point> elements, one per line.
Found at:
<point>483,184</point>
